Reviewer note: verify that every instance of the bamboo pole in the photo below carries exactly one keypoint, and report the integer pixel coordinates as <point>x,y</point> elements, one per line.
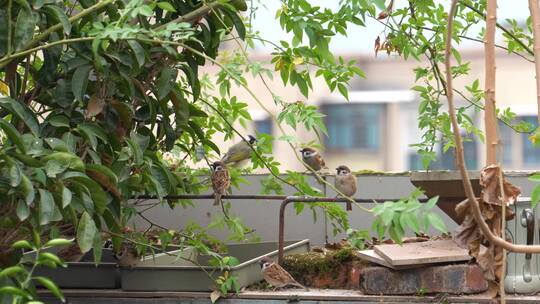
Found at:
<point>535,16</point>
<point>490,116</point>
<point>475,206</point>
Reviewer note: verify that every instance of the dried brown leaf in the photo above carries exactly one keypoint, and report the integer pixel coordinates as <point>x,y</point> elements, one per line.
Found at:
<point>468,234</point>
<point>377,45</point>
<point>382,15</point>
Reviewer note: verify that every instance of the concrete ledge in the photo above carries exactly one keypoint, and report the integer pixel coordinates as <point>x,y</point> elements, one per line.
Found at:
<point>313,296</point>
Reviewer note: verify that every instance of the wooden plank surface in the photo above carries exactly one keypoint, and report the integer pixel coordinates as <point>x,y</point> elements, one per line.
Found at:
<point>373,257</point>
<point>429,252</point>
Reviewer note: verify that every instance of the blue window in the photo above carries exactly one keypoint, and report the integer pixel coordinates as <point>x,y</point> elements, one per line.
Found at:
<point>506,135</point>
<point>531,154</point>
<point>354,126</point>
<point>447,160</point>
<point>264,126</point>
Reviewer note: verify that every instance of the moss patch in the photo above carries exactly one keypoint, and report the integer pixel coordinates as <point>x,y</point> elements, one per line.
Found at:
<point>332,262</point>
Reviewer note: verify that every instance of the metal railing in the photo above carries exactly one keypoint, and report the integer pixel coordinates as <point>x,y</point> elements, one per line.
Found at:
<point>285,200</point>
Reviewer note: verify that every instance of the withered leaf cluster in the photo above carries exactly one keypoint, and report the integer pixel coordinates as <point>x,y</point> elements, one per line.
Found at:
<point>468,235</point>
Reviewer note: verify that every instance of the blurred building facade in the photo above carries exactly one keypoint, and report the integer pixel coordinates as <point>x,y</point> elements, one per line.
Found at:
<point>375,128</point>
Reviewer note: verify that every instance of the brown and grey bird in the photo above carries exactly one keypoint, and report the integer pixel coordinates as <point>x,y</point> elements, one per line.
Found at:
<point>313,159</point>
<point>220,180</point>
<point>240,153</point>
<point>275,275</point>
<point>345,182</point>
<point>127,255</point>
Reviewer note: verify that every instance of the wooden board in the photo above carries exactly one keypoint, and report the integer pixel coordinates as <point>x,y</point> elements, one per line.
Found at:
<point>429,252</point>
<point>373,257</point>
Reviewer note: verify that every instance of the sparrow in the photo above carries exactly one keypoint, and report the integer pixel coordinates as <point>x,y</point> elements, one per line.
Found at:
<point>240,152</point>
<point>275,275</point>
<point>128,255</point>
<point>313,159</point>
<point>345,182</point>
<point>220,180</point>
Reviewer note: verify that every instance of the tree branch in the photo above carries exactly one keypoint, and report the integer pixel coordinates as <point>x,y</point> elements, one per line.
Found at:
<point>489,93</point>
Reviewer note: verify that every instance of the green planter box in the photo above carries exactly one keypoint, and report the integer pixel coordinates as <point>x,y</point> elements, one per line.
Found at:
<point>85,274</point>
<point>166,273</point>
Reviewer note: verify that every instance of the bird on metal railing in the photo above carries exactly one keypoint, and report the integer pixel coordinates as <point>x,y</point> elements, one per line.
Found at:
<point>220,180</point>
<point>345,182</point>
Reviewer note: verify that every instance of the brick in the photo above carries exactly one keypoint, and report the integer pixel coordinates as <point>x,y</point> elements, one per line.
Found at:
<point>452,279</point>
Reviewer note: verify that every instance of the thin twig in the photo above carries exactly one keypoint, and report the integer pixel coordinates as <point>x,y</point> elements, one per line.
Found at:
<point>499,26</point>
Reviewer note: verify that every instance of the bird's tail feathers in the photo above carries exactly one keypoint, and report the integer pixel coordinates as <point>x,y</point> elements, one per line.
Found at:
<point>217,199</point>
<point>300,286</point>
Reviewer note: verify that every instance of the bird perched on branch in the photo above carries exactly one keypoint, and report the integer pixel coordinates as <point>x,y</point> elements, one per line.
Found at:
<point>276,276</point>
<point>345,183</point>
<point>220,180</point>
<point>313,159</point>
<point>240,152</point>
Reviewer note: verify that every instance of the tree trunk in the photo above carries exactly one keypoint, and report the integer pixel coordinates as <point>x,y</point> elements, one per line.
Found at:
<point>490,116</point>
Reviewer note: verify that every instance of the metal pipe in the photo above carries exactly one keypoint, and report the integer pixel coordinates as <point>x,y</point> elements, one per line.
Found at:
<point>285,201</point>
<point>211,196</point>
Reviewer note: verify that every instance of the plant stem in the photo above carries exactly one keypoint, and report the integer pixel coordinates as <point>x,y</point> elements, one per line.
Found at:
<point>535,16</point>
<point>489,112</point>
<point>473,202</point>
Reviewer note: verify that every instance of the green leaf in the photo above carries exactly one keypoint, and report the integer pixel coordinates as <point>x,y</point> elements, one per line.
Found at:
<point>436,221</point>
<point>343,90</point>
<point>22,112</point>
<point>96,192</point>
<point>138,51</point>
<point>59,16</point>
<point>79,82</point>
<point>98,248</point>
<point>24,29</point>
<point>28,189</point>
<point>50,285</point>
<point>86,231</point>
<point>431,202</point>
<point>12,134</point>
<point>46,207</point>
<point>22,244</point>
<point>66,196</point>
<point>10,271</point>
<point>50,257</point>
<point>22,210</point>
<point>163,84</point>
<point>58,242</point>
<point>535,178</point>
<point>166,6</point>
<point>535,196</point>
<point>67,159</point>
<point>15,174</point>
<point>15,291</point>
